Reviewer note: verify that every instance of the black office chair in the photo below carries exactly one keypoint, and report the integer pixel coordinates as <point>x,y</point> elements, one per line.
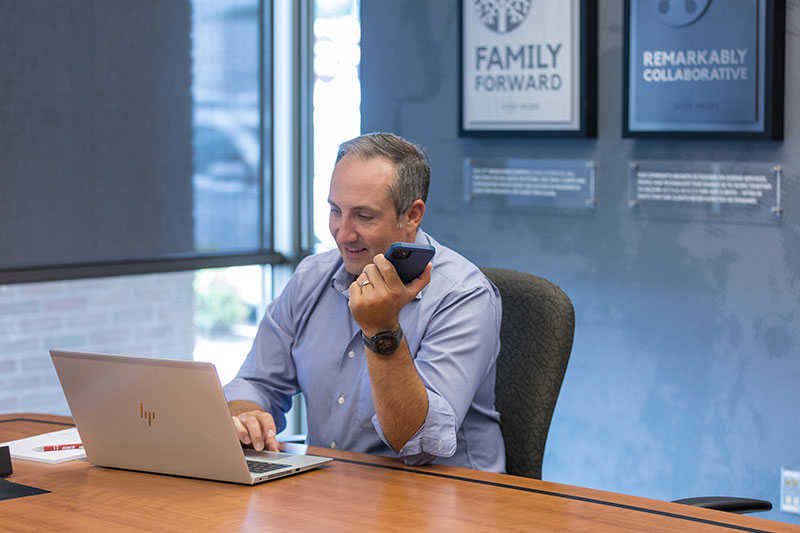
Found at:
<point>730,504</point>
<point>535,342</point>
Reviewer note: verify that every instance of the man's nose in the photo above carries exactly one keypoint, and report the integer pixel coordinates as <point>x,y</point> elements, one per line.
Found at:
<point>346,231</point>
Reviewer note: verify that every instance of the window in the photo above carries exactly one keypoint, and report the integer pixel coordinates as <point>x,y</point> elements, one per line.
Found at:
<point>229,304</point>
<point>337,98</point>
<point>226,82</point>
<point>135,139</point>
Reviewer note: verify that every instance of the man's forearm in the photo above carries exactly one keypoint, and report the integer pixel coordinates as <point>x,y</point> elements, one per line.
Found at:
<point>238,407</point>
<point>400,398</point>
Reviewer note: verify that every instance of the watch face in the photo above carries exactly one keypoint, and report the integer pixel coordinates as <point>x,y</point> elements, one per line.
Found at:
<point>386,345</point>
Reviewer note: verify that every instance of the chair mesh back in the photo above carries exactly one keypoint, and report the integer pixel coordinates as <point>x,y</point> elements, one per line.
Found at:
<point>535,343</point>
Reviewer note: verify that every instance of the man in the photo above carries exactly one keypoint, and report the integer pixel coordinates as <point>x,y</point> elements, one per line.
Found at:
<point>432,398</point>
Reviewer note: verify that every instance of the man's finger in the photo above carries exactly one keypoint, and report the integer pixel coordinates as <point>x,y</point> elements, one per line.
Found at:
<point>271,443</point>
<point>268,429</point>
<point>253,427</point>
<point>363,281</point>
<point>386,270</point>
<point>372,272</point>
<point>241,431</point>
<point>355,292</point>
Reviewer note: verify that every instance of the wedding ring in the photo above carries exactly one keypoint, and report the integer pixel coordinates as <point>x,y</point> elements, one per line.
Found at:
<point>365,282</point>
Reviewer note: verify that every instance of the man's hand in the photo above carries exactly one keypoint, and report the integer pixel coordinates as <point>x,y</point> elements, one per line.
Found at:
<point>253,425</point>
<point>378,295</point>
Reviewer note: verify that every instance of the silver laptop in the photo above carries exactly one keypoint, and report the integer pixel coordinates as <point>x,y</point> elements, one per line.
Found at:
<point>163,416</point>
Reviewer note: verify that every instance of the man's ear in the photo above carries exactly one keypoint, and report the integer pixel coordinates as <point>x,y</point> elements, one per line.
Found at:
<point>413,216</point>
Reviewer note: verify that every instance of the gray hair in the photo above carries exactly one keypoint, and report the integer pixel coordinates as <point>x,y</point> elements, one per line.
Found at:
<point>413,172</point>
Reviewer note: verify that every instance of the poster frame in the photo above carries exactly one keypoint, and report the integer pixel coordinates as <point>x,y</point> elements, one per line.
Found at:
<point>773,27</point>
<point>587,97</point>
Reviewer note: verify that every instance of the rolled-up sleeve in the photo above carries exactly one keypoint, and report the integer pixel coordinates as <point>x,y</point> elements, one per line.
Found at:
<point>436,437</point>
<point>454,357</point>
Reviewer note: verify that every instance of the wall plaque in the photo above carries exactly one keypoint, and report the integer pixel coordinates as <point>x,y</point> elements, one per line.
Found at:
<point>732,191</point>
<point>548,183</point>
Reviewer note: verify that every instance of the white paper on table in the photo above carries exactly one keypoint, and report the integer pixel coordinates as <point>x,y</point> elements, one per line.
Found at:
<point>24,448</point>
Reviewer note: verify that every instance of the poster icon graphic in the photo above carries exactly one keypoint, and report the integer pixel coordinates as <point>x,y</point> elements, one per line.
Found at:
<point>502,16</point>
<point>679,13</point>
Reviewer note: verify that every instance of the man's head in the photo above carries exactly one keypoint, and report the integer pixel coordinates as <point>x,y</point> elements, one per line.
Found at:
<point>377,196</point>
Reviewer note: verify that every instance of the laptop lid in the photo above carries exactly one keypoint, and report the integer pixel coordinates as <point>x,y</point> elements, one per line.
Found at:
<point>163,416</point>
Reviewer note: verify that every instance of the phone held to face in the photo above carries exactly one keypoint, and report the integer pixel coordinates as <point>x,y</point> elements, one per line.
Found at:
<point>410,259</point>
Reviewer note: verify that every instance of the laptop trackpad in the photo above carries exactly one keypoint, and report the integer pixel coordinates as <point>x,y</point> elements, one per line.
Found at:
<point>284,458</point>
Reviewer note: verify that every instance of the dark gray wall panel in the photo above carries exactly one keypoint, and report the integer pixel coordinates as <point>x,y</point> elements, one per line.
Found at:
<point>95,131</point>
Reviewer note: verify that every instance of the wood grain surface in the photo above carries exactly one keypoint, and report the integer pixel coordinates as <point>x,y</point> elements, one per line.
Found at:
<point>356,492</point>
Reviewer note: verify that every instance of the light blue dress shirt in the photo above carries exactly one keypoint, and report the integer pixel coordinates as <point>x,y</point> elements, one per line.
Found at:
<point>308,342</point>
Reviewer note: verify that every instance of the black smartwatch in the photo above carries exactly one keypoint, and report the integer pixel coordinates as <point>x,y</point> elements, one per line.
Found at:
<point>384,342</point>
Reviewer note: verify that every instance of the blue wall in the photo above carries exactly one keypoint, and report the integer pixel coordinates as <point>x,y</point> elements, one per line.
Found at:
<point>684,378</point>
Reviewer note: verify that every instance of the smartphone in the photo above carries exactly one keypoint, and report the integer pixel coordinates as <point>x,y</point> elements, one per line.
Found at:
<point>410,259</point>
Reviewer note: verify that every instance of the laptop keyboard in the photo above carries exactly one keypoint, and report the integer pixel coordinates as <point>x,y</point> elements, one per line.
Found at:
<point>259,467</point>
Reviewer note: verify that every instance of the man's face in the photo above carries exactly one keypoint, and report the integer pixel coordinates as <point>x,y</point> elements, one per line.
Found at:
<point>363,219</point>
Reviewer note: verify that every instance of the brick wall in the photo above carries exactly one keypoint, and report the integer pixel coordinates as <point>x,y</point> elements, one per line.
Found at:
<point>149,315</point>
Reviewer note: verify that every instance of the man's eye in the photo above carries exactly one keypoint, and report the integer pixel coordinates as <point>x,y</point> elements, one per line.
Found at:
<point>335,211</point>
<point>365,218</point>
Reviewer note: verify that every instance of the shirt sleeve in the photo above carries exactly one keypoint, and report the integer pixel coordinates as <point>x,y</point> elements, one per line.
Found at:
<point>455,356</point>
<point>436,437</point>
<point>268,376</point>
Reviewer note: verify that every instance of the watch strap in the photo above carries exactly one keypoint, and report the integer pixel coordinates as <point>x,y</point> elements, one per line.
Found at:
<point>377,343</point>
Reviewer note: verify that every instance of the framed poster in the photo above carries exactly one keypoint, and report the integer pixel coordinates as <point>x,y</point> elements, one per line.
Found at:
<point>528,67</point>
<point>704,68</point>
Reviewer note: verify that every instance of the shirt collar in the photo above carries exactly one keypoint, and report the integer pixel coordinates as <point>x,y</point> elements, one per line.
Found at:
<point>341,280</point>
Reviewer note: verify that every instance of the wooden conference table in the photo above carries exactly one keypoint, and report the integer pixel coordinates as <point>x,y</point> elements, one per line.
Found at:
<point>356,492</point>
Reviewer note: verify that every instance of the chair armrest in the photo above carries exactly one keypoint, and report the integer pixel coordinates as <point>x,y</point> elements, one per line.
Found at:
<point>728,503</point>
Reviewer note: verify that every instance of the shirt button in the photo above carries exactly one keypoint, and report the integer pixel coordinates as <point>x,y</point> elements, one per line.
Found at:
<point>340,399</point>
<point>333,444</point>
<point>351,354</point>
